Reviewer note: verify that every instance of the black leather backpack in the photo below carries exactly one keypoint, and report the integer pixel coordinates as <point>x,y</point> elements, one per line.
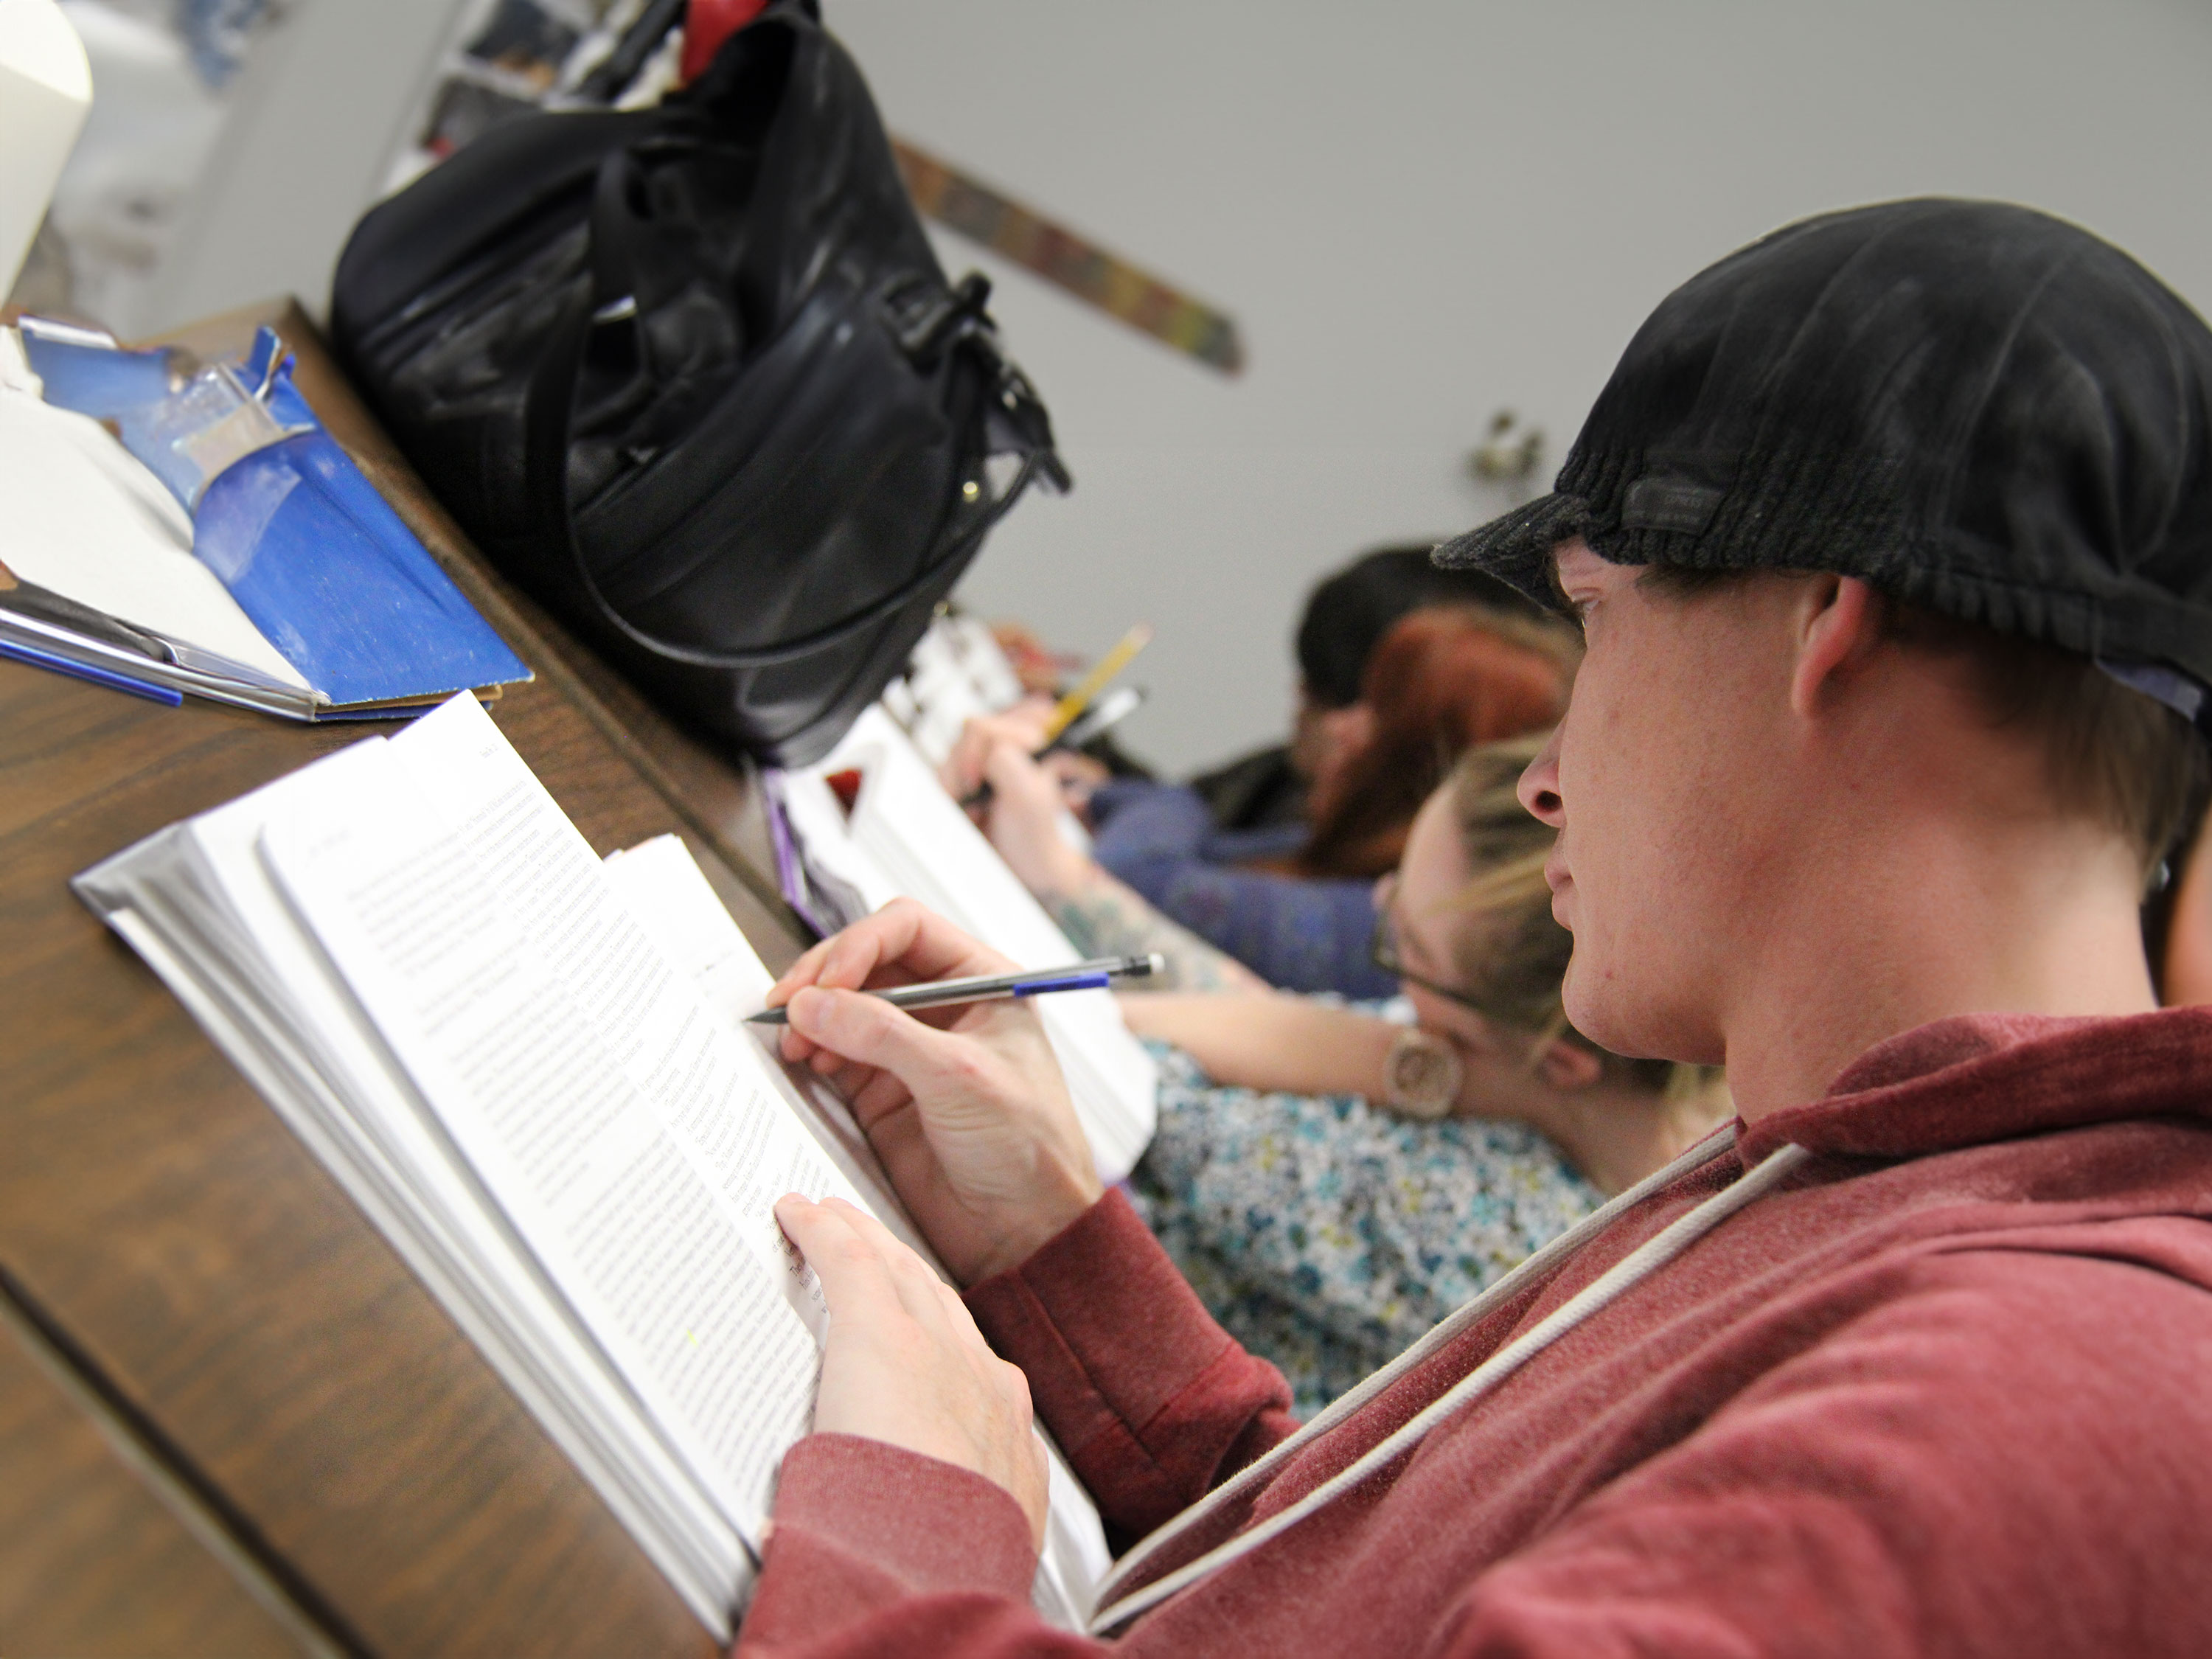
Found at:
<point>692,377</point>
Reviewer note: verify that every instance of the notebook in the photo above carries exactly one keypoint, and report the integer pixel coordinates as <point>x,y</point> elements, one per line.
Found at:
<point>247,561</point>
<point>529,1070</point>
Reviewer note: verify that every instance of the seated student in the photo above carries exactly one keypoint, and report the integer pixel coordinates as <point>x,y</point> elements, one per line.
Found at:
<point>1891,536</point>
<point>1332,1183</point>
<point>1443,679</point>
<point>1346,615</point>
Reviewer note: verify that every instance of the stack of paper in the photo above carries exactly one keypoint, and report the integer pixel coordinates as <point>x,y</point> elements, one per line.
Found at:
<point>955,673</point>
<point>527,1068</point>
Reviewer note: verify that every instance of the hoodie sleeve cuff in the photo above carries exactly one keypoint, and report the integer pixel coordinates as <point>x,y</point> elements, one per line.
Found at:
<point>860,1524</point>
<point>1148,1396</point>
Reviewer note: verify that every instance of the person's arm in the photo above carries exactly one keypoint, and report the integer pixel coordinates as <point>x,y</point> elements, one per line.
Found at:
<point>1270,1042</point>
<point>967,1110</point>
<point>1295,934</point>
<point>1221,929</point>
<point>1103,918</point>
<point>1100,915</point>
<point>1143,832</point>
<point>876,1548</point>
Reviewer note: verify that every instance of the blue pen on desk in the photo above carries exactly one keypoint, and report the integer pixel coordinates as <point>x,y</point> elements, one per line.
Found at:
<point>996,987</point>
<point>85,670</point>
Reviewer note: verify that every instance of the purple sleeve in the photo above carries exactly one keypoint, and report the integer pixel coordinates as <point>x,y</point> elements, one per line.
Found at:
<point>1296,934</point>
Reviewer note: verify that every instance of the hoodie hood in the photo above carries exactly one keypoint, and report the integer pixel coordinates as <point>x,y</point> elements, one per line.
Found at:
<point>1976,1078</point>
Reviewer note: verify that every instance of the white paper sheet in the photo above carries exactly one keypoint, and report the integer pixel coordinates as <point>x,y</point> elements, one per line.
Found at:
<point>81,516</point>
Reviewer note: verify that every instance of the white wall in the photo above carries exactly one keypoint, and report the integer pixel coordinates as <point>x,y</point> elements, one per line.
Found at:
<point>315,118</point>
<point>1424,211</point>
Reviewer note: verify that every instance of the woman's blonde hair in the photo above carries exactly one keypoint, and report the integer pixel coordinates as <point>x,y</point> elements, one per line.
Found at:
<point>1512,958</point>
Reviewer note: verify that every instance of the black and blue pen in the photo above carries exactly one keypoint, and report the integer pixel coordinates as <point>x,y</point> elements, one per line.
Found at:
<point>1091,975</point>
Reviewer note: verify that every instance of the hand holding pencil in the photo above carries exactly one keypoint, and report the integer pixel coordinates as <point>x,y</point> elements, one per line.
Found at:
<point>1086,711</point>
<point>1102,673</point>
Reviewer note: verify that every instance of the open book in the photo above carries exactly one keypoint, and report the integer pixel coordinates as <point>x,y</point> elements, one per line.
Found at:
<point>528,1068</point>
<point>905,836</point>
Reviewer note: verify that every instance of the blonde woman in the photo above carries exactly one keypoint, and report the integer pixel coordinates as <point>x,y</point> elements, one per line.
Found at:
<point>1335,1179</point>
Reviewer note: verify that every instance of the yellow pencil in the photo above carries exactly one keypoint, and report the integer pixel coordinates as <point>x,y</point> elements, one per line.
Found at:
<point>1065,711</point>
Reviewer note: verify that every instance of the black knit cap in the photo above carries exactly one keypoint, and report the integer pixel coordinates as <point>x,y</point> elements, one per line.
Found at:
<point>1970,405</point>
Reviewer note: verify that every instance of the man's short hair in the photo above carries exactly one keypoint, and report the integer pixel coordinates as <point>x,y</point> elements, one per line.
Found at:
<point>2115,756</point>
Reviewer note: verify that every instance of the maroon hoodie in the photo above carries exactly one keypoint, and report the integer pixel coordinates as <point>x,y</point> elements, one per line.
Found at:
<point>1947,1388</point>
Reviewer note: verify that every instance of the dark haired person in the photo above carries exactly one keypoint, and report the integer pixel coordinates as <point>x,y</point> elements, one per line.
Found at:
<point>1346,615</point>
<point>1891,537</point>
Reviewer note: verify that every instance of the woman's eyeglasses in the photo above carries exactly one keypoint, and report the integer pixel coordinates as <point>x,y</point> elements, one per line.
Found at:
<point>1382,950</point>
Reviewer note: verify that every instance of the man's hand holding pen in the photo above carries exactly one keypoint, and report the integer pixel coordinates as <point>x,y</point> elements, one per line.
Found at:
<point>965,1105</point>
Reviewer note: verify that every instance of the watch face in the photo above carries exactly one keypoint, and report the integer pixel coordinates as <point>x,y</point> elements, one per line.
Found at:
<point>1423,1074</point>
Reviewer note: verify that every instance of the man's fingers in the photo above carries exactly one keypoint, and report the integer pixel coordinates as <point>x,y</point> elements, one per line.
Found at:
<point>869,1031</point>
<point>877,1098</point>
<point>932,1303</point>
<point>856,1280</point>
<point>867,1272</point>
<point>918,1286</point>
<point>901,944</point>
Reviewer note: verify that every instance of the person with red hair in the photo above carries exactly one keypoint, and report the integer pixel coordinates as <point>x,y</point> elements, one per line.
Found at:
<point>1443,680</point>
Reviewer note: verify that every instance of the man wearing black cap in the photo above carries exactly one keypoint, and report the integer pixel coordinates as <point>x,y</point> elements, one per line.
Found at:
<point>1892,540</point>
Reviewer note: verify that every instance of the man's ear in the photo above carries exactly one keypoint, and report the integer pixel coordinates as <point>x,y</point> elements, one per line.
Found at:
<point>1568,1066</point>
<point>1838,622</point>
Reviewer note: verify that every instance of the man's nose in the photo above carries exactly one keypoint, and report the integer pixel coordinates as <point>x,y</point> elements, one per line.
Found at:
<point>1539,788</point>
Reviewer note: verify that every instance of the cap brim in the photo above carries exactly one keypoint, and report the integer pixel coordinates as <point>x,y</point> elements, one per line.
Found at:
<point>1516,549</point>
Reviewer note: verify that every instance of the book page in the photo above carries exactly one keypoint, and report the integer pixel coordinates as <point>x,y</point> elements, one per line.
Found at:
<point>665,890</point>
<point>717,1090</point>
<point>196,901</point>
<point>393,1141</point>
<point>599,1100</point>
<point>662,885</point>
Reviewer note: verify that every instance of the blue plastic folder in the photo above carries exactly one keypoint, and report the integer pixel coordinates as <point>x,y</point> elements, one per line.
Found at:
<point>318,560</point>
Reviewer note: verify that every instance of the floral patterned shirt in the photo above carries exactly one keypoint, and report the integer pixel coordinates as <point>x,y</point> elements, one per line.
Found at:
<point>1327,1236</point>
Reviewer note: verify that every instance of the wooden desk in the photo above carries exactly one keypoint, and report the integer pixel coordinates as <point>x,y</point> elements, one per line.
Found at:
<point>231,1421</point>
